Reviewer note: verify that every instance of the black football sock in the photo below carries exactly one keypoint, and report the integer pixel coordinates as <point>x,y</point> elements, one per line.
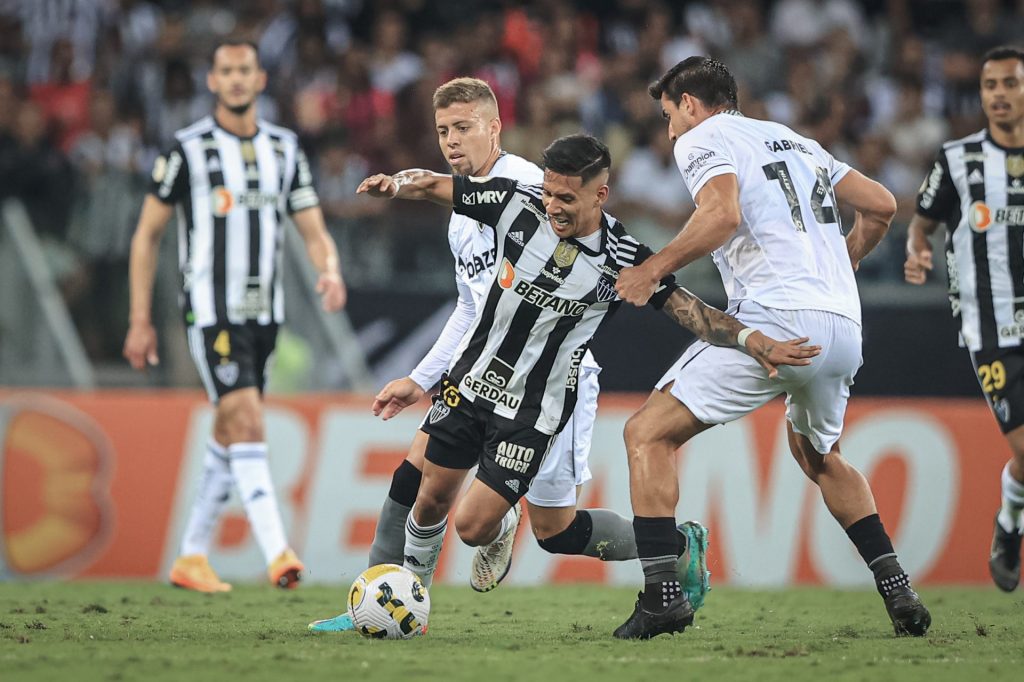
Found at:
<point>875,547</point>
<point>657,544</point>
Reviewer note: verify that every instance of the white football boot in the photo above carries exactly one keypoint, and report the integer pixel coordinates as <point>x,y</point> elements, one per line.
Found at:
<point>491,562</point>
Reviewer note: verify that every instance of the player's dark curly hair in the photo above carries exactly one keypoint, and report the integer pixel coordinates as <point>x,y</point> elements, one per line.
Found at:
<point>582,156</point>
<point>709,80</point>
<point>1003,52</point>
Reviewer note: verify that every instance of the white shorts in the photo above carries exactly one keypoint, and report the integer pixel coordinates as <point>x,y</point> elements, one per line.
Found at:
<point>565,466</point>
<point>722,384</point>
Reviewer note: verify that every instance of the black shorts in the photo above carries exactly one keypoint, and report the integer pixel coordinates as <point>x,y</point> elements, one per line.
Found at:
<point>1001,375</point>
<point>463,435</point>
<point>232,356</point>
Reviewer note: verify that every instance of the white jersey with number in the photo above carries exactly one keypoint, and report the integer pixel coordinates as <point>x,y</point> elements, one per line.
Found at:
<point>789,251</point>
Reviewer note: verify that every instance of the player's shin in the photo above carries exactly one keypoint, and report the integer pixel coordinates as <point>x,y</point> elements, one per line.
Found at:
<point>657,545</point>
<point>389,539</point>
<point>909,616</point>
<point>1012,502</point>
<point>211,498</point>
<point>423,547</point>
<point>599,533</point>
<point>252,477</point>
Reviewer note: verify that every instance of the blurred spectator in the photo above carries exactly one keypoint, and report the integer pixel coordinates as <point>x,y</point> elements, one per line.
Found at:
<point>751,56</point>
<point>806,23</point>
<point>392,66</point>
<point>63,99</point>
<point>33,170</point>
<point>648,193</point>
<point>915,135</point>
<point>79,23</point>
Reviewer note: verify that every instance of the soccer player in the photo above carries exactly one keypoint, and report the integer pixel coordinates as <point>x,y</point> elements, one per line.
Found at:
<point>976,188</point>
<point>231,177</point>
<point>469,128</point>
<point>513,382</point>
<point>767,212</point>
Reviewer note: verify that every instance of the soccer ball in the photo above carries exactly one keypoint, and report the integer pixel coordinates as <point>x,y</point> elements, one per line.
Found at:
<point>389,602</point>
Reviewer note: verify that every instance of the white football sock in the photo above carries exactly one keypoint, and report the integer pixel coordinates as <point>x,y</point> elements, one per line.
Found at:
<point>507,521</point>
<point>1013,502</point>
<point>423,547</point>
<point>212,496</point>
<point>252,477</point>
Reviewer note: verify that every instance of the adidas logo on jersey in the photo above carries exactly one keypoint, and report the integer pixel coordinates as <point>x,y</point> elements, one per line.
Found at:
<point>513,484</point>
<point>975,177</point>
<point>517,237</point>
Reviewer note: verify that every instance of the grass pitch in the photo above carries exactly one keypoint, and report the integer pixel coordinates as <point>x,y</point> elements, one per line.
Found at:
<point>139,631</point>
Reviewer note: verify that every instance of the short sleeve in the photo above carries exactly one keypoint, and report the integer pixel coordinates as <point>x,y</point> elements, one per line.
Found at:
<point>482,199</point>
<point>301,194</point>
<point>701,155</point>
<point>169,179</point>
<point>937,197</point>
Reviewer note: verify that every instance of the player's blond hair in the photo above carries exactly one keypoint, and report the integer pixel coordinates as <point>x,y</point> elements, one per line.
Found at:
<point>464,90</point>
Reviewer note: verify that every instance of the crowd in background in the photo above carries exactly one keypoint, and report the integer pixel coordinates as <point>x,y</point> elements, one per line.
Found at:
<point>92,90</point>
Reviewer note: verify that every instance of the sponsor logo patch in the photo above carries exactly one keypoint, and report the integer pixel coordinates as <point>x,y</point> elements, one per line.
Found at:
<point>486,196</point>
<point>499,373</point>
<point>513,484</point>
<point>514,457</point>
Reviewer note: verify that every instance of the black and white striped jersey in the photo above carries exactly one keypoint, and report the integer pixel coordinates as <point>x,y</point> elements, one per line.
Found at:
<point>521,357</point>
<point>976,188</point>
<point>230,194</point>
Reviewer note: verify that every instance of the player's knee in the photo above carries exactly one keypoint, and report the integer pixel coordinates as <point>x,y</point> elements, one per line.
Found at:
<point>405,483</point>
<point>239,425</point>
<point>635,433</point>
<point>571,539</point>
<point>472,530</point>
<point>431,504</point>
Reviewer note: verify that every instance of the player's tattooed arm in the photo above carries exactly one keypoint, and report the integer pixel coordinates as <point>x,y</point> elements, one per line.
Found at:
<point>721,329</point>
<point>709,324</point>
<point>415,183</point>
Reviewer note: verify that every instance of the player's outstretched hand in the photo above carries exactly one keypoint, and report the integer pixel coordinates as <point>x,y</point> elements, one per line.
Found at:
<point>395,397</point>
<point>770,353</point>
<point>915,269</point>
<point>379,185</point>
<point>635,286</point>
<point>333,293</point>
<point>140,346</point>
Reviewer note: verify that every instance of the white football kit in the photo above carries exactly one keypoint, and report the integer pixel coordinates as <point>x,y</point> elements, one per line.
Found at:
<point>786,271</point>
<point>472,243</point>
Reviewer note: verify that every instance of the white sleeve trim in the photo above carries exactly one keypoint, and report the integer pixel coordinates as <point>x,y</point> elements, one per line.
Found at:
<point>435,363</point>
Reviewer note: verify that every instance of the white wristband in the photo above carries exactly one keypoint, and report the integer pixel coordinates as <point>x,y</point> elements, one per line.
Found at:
<point>741,338</point>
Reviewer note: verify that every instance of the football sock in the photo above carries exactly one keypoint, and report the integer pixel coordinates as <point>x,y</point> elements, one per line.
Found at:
<point>423,547</point>
<point>213,494</point>
<point>599,533</point>
<point>389,538</point>
<point>875,547</point>
<point>1013,502</point>
<point>252,477</point>
<point>657,544</point>
<point>507,521</point>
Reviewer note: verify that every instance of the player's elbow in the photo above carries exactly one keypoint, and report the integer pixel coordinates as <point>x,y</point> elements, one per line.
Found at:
<point>727,216</point>
<point>884,205</point>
